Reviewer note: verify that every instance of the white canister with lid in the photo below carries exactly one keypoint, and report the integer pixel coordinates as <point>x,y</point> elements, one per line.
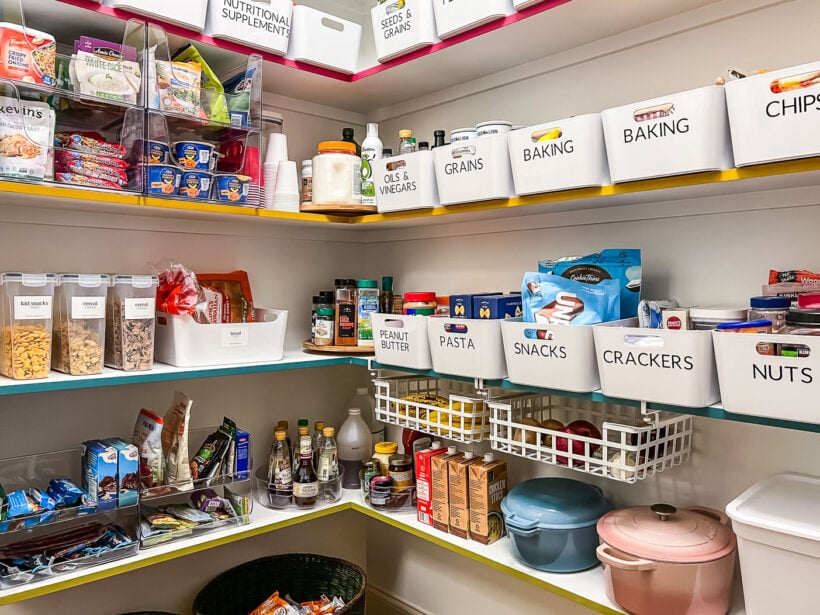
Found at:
<point>495,127</point>
<point>337,174</point>
<point>709,317</point>
<point>459,135</point>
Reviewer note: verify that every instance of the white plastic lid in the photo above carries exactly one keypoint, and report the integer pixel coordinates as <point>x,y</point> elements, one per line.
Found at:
<point>494,123</point>
<point>85,280</point>
<point>469,454</point>
<point>451,450</point>
<point>488,457</point>
<point>31,280</point>
<point>459,130</point>
<point>136,281</point>
<point>786,503</point>
<point>307,163</point>
<point>354,412</point>
<point>436,445</point>
<point>362,391</point>
<point>372,130</point>
<point>719,312</point>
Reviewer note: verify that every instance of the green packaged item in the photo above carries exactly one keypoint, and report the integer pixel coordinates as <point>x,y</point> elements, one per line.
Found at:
<point>239,90</point>
<point>3,504</point>
<point>212,94</point>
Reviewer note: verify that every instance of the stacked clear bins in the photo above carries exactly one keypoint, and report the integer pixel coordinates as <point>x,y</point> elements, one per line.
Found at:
<point>53,538</point>
<point>564,432</point>
<point>446,408</point>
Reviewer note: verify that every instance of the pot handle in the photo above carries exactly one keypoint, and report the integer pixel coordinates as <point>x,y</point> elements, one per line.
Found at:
<point>717,515</point>
<point>606,557</point>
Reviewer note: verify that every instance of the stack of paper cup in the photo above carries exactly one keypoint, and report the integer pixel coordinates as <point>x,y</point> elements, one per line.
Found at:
<point>286,195</point>
<point>277,152</point>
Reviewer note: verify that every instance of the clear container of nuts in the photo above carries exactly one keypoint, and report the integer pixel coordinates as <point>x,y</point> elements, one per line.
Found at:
<point>129,322</point>
<point>25,318</point>
<point>79,323</point>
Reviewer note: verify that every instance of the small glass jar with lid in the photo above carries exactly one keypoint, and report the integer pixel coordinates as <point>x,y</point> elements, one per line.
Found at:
<point>770,308</point>
<point>708,318</point>
<point>337,174</point>
<point>802,322</point>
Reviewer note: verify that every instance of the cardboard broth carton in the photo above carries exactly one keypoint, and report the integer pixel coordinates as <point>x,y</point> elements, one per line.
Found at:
<point>459,492</point>
<point>488,486</point>
<point>424,481</point>
<point>440,484</point>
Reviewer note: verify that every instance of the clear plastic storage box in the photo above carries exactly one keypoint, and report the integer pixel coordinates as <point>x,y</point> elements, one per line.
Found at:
<point>26,301</point>
<point>79,323</point>
<point>129,322</point>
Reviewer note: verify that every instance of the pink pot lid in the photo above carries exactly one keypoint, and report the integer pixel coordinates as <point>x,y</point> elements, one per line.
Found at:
<point>663,533</point>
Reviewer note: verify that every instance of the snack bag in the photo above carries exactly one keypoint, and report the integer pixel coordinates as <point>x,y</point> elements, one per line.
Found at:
<point>148,439</point>
<point>179,293</point>
<point>234,290</point>
<point>26,133</point>
<point>175,442</point>
<point>212,94</point>
<point>551,299</point>
<point>612,264</point>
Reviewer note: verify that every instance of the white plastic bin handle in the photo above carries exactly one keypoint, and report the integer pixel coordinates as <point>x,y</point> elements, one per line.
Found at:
<point>327,22</point>
<point>394,323</point>
<point>643,341</point>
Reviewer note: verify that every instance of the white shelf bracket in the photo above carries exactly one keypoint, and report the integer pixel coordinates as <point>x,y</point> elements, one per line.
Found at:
<point>651,417</point>
<point>481,389</point>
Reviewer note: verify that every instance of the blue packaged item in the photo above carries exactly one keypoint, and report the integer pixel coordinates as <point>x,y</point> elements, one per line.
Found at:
<point>497,307</point>
<point>196,185</point>
<point>128,471</point>
<point>64,492</point>
<point>162,179</point>
<point>100,474</point>
<point>650,313</point>
<point>19,504</point>
<point>624,266</point>
<point>461,306</point>
<point>243,455</point>
<point>749,324</point>
<point>550,299</point>
<point>232,187</point>
<point>42,499</point>
<point>190,155</point>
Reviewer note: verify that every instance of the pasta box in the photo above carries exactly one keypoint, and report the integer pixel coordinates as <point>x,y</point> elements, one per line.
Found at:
<point>492,307</point>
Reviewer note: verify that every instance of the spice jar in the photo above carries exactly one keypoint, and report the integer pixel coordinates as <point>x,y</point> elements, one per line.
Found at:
<point>400,470</point>
<point>345,317</point>
<point>307,181</point>
<point>323,331</point>
<point>337,174</point>
<point>770,308</point>
<point>419,304</point>
<point>383,452</point>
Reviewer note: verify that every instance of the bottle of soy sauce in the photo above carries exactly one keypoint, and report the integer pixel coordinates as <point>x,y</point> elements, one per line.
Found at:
<point>305,481</point>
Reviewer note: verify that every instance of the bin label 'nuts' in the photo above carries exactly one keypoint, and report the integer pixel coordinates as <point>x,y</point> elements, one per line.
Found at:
<point>139,309</point>
<point>87,308</point>
<point>37,307</point>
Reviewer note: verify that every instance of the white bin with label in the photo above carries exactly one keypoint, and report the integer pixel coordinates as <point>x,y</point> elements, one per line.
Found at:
<point>457,16</point>
<point>402,340</point>
<point>324,40</point>
<point>558,357</point>
<point>656,365</point>
<point>261,24</point>
<point>467,347</point>
<point>520,5</point>
<point>775,116</point>
<point>183,342</point>
<point>560,155</point>
<point>687,132</point>
<point>188,14</point>
<point>474,170</point>
<point>759,384</point>
<point>777,522</point>
<point>405,182</point>
<point>402,26</point>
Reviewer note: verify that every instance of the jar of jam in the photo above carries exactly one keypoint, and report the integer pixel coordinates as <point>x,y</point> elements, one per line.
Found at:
<point>419,304</point>
<point>380,488</point>
<point>400,472</point>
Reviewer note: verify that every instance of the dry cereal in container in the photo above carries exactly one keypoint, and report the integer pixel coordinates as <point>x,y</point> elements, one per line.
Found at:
<point>129,322</point>
<point>25,319</point>
<point>79,323</point>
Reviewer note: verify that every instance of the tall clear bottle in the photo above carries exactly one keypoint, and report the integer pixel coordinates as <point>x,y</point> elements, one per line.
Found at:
<point>372,148</point>
<point>328,456</point>
<point>365,401</point>
<point>318,426</point>
<point>303,427</point>
<point>280,473</point>
<point>407,145</point>
<point>305,480</point>
<point>354,446</point>
<point>284,426</point>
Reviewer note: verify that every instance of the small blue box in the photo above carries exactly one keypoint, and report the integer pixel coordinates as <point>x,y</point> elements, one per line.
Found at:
<point>128,471</point>
<point>497,307</point>
<point>100,474</point>
<point>461,306</point>
<point>243,455</point>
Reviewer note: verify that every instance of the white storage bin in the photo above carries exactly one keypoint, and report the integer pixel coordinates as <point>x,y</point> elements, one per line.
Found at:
<point>656,365</point>
<point>765,385</point>
<point>324,40</point>
<point>457,16</point>
<point>402,340</point>
<point>183,342</point>
<point>680,133</point>
<point>261,24</point>
<point>520,5</point>
<point>553,357</point>
<point>777,522</point>
<point>774,115</point>
<point>398,31</point>
<point>475,170</point>
<point>189,14</point>
<point>405,182</point>
<point>559,155</point>
<point>466,347</point>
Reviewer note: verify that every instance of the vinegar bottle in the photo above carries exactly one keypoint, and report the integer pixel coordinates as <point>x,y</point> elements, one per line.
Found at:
<point>305,481</point>
<point>354,447</point>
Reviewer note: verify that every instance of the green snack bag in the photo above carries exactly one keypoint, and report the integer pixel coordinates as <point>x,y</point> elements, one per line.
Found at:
<point>212,94</point>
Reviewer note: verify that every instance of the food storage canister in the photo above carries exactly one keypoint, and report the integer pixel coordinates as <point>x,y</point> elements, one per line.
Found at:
<point>708,318</point>
<point>551,523</point>
<point>495,127</point>
<point>383,452</point>
<point>129,322</point>
<point>337,174</point>
<point>25,318</point>
<point>802,322</point>
<point>462,134</point>
<point>770,308</point>
<point>419,304</point>
<point>658,559</point>
<point>79,323</point>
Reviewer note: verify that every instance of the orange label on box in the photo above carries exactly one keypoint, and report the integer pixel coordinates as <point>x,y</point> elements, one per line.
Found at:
<point>27,56</point>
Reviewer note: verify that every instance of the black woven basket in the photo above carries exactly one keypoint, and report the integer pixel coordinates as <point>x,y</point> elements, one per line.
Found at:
<point>305,576</point>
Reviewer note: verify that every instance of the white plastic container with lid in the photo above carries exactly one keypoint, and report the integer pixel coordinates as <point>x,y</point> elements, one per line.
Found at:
<point>707,318</point>
<point>129,322</point>
<point>26,305</point>
<point>458,135</point>
<point>354,446</point>
<point>494,127</point>
<point>337,174</point>
<point>79,323</point>
<point>777,522</point>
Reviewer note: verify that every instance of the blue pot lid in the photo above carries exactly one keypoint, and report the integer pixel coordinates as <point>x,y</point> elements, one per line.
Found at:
<point>554,503</point>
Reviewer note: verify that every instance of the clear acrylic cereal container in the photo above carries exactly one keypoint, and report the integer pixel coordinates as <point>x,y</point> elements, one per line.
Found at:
<point>79,323</point>
<point>129,322</point>
<point>25,318</point>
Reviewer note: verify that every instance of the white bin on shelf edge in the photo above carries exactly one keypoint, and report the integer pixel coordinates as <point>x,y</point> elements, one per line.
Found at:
<point>687,132</point>
<point>475,170</point>
<point>405,182</point>
<point>469,348</point>
<point>183,342</point>
<point>560,155</point>
<point>398,31</point>
<point>259,24</point>
<point>552,356</point>
<point>774,116</point>
<point>657,365</point>
<point>402,340</point>
<point>189,14</point>
<point>778,539</point>
<point>765,385</point>
<point>457,16</point>
<point>324,40</point>
<point>520,5</point>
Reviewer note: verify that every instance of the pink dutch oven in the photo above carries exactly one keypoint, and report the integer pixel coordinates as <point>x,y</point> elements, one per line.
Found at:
<point>658,559</point>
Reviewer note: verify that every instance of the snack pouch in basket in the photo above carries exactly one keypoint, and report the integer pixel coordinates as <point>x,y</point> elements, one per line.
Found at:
<point>551,299</point>
<point>623,265</point>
